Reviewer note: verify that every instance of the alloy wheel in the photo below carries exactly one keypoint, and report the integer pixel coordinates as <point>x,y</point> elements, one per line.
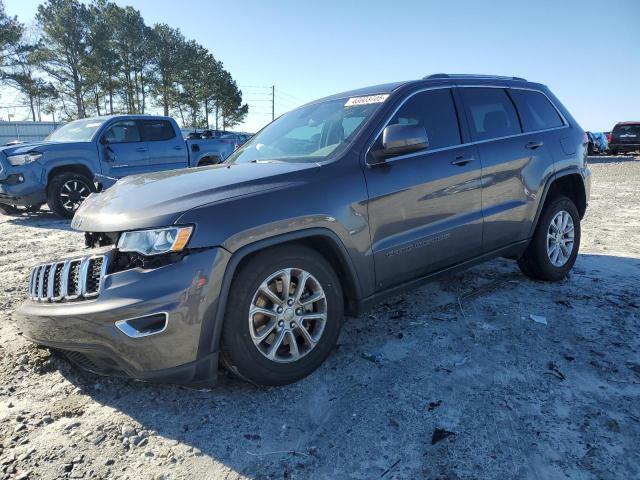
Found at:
<point>560,238</point>
<point>73,193</point>
<point>288,314</point>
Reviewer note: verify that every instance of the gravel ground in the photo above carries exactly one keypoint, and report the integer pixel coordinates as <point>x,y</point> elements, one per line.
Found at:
<point>453,381</point>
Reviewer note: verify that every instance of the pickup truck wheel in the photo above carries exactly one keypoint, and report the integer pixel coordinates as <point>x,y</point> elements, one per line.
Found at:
<point>66,192</point>
<point>554,247</point>
<point>283,317</point>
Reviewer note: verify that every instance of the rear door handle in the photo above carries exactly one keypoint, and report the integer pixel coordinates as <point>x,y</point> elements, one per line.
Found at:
<point>141,149</point>
<point>462,160</point>
<point>177,147</point>
<point>534,145</point>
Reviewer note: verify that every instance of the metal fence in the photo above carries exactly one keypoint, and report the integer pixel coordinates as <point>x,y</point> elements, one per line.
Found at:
<point>25,131</point>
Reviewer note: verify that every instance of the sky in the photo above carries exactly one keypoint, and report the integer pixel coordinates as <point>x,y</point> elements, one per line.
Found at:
<point>587,52</point>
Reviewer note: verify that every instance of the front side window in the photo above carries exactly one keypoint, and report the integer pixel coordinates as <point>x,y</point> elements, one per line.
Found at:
<point>157,130</point>
<point>536,111</point>
<point>123,132</point>
<point>310,133</point>
<point>436,112</point>
<point>490,112</point>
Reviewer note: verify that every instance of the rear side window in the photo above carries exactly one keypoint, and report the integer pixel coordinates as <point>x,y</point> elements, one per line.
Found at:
<point>123,132</point>
<point>436,112</point>
<point>157,130</point>
<point>490,112</point>
<point>536,111</point>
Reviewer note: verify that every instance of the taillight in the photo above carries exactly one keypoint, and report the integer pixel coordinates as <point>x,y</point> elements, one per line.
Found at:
<point>609,138</point>
<point>585,137</point>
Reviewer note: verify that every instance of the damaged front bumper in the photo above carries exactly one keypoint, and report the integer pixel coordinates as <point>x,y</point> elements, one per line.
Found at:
<point>153,324</point>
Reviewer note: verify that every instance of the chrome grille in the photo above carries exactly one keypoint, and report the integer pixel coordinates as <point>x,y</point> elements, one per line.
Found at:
<point>67,280</point>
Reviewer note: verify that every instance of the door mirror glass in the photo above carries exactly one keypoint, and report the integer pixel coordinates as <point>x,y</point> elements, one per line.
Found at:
<point>103,140</point>
<point>402,139</point>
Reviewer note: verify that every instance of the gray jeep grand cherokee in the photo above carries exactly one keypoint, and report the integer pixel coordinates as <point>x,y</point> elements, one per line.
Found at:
<point>328,209</point>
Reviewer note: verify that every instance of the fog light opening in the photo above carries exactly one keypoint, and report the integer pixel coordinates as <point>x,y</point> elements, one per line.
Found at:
<point>143,326</point>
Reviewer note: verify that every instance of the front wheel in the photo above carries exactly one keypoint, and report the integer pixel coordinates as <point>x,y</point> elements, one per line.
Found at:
<point>554,247</point>
<point>283,316</point>
<point>66,192</point>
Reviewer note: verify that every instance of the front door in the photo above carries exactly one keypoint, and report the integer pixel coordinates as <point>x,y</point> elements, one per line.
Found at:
<point>425,210</point>
<point>123,152</point>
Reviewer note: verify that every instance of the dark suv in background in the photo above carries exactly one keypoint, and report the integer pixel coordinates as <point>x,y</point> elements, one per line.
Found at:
<point>329,209</point>
<point>625,138</point>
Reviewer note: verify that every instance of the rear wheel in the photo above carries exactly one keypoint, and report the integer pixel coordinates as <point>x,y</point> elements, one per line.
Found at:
<point>66,192</point>
<point>283,317</point>
<point>554,247</point>
<point>614,151</point>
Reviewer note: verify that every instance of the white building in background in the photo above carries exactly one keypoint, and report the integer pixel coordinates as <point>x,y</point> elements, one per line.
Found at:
<point>25,131</point>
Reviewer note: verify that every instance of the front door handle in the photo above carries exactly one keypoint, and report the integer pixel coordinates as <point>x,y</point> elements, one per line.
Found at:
<point>462,160</point>
<point>177,147</point>
<point>534,145</point>
<point>141,149</point>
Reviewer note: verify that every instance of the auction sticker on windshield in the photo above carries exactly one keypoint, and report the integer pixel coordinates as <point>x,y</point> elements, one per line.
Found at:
<point>353,101</point>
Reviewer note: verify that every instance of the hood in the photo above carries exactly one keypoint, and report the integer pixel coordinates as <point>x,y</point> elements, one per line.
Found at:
<point>23,148</point>
<point>159,199</point>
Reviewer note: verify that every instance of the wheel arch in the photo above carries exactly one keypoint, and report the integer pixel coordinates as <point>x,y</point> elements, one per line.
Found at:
<point>324,241</point>
<point>569,183</point>
<point>69,168</point>
<point>209,159</point>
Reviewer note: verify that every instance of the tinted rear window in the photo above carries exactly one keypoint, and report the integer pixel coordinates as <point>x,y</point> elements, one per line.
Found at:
<point>536,111</point>
<point>157,130</point>
<point>627,130</point>
<point>490,112</point>
<point>435,111</point>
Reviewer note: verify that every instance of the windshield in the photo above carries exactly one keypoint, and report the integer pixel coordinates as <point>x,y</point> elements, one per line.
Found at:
<point>309,134</point>
<point>78,131</point>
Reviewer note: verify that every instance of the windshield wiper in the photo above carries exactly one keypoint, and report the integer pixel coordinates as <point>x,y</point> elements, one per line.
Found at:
<point>267,161</point>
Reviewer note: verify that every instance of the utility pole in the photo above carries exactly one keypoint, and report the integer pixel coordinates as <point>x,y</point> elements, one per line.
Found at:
<point>273,102</point>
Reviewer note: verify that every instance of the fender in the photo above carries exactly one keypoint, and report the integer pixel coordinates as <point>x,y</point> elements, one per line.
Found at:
<point>212,327</point>
<point>67,162</point>
<point>552,178</point>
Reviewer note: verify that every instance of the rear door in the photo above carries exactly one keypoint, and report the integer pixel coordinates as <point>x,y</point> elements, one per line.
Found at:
<point>425,209</point>
<point>167,150</point>
<point>125,153</point>
<point>513,162</point>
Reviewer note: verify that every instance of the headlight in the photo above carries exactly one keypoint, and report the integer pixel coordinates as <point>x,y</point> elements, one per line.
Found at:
<point>16,160</point>
<point>155,242</point>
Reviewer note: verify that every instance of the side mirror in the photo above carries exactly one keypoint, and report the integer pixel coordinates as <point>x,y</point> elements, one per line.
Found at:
<point>103,140</point>
<point>401,139</point>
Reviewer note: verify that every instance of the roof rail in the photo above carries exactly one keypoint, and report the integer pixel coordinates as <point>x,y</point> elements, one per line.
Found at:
<point>470,75</point>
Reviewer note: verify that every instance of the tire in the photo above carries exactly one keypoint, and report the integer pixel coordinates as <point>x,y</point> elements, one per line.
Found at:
<point>614,152</point>
<point>249,360</point>
<point>537,262</point>
<point>8,209</point>
<point>61,187</point>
